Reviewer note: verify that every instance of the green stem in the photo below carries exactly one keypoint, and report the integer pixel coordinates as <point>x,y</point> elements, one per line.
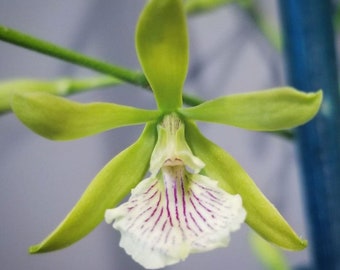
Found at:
<point>23,40</point>
<point>32,43</point>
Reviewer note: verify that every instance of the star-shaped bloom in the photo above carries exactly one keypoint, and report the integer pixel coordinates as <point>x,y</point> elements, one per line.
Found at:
<point>196,193</point>
<point>175,212</point>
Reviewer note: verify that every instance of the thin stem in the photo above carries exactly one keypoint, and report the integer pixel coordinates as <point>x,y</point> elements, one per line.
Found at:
<point>32,43</point>
<point>23,40</point>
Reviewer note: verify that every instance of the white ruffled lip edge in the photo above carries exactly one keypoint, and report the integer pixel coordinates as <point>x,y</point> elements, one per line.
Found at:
<point>173,214</point>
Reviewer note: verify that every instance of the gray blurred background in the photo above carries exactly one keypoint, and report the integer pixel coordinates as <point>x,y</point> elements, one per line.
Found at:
<point>41,180</point>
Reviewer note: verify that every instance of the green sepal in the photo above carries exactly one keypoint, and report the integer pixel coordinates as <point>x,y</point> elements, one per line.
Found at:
<point>262,215</point>
<point>268,110</point>
<point>162,49</point>
<point>58,118</point>
<point>60,87</point>
<point>105,191</point>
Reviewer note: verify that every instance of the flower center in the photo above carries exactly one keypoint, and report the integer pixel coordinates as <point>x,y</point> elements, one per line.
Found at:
<point>171,148</point>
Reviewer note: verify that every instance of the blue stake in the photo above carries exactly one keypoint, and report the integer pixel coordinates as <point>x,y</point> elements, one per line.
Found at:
<point>311,65</point>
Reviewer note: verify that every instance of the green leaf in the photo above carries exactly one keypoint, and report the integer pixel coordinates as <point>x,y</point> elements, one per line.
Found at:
<point>269,110</point>
<point>106,190</point>
<point>162,49</point>
<point>61,119</point>
<point>64,86</point>
<point>262,215</point>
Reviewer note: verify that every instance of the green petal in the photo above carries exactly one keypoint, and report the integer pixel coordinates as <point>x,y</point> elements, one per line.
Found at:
<point>61,119</point>
<point>162,49</point>
<point>269,110</point>
<point>106,190</point>
<point>262,216</point>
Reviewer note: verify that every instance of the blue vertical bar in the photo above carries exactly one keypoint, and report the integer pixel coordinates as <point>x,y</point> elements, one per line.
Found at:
<point>311,65</point>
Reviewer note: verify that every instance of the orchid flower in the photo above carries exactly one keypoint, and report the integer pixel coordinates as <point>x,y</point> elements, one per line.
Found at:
<point>196,194</point>
<point>175,212</point>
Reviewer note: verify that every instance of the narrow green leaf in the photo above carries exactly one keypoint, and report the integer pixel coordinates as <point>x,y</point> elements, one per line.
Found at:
<point>60,87</point>
<point>269,110</point>
<point>61,119</point>
<point>106,190</point>
<point>262,215</point>
<point>162,49</point>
